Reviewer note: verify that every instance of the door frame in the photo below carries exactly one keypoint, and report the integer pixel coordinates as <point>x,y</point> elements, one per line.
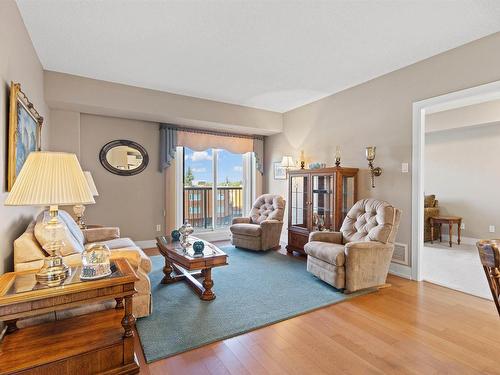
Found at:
<point>473,95</point>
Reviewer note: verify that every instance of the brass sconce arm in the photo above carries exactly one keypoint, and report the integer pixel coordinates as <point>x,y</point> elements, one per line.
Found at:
<point>374,171</point>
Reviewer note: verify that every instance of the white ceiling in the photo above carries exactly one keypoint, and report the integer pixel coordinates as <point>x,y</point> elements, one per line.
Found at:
<point>275,55</point>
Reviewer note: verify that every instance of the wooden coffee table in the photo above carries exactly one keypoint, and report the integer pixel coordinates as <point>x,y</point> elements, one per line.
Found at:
<point>184,265</point>
<point>449,220</point>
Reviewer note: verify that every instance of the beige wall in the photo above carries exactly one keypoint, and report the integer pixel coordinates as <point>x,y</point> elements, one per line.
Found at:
<point>85,95</point>
<point>18,62</point>
<point>460,168</point>
<point>65,132</point>
<point>133,203</point>
<point>482,113</point>
<point>379,112</point>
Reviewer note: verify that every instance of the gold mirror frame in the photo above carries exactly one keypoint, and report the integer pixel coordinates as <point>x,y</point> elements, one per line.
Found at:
<point>17,97</point>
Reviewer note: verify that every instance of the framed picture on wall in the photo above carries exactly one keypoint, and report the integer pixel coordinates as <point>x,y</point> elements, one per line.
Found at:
<point>279,171</point>
<point>25,127</point>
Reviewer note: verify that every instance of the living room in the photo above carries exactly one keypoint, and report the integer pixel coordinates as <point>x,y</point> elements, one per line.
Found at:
<point>289,135</point>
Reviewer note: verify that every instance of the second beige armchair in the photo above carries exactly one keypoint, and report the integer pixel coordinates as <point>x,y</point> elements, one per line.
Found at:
<point>261,230</point>
<point>359,256</point>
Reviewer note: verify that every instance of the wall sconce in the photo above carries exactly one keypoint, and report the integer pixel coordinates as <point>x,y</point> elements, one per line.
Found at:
<point>374,171</point>
<point>287,163</point>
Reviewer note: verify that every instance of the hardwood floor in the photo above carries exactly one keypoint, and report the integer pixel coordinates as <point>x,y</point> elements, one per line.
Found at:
<point>409,328</point>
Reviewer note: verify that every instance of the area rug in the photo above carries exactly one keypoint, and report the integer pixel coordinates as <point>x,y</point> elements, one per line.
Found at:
<point>256,289</point>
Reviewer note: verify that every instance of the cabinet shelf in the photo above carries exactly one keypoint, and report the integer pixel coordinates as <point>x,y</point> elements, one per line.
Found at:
<point>319,191</point>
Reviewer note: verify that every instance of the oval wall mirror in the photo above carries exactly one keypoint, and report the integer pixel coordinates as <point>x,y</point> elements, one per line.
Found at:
<point>123,157</point>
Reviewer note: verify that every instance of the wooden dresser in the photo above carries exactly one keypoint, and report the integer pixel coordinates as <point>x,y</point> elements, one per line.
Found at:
<point>318,198</point>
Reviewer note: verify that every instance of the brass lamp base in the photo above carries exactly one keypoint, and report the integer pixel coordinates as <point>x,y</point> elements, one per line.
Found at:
<point>53,272</point>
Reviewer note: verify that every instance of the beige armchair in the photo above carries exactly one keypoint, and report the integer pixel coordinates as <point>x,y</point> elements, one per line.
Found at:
<point>262,229</point>
<point>431,209</point>
<point>359,256</point>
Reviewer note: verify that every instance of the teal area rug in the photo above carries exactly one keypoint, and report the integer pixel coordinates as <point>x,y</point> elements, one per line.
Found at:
<point>256,289</point>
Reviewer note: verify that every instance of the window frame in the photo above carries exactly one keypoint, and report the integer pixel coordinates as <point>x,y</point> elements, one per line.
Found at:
<point>248,188</point>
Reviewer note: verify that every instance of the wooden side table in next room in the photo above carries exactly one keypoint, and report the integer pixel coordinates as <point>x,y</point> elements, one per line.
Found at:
<point>448,220</point>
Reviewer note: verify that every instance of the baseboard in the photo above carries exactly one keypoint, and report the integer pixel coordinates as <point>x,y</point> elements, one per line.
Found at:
<point>223,235</point>
<point>454,239</point>
<point>400,270</point>
<point>147,244</point>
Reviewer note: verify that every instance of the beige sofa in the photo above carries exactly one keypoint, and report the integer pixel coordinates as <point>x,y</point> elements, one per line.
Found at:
<point>262,229</point>
<point>359,256</point>
<point>29,255</point>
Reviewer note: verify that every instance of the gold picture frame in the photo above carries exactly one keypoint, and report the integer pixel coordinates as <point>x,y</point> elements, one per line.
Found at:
<point>25,130</point>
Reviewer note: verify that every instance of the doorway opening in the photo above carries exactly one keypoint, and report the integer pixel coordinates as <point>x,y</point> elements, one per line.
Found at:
<point>450,166</point>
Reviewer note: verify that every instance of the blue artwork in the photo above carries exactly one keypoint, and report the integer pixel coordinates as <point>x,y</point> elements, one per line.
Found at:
<point>26,136</point>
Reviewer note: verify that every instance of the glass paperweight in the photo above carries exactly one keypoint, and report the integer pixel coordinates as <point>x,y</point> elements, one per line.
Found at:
<point>95,262</point>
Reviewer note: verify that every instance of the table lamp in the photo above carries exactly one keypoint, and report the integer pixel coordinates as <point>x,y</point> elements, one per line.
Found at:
<point>79,209</point>
<point>287,162</point>
<point>51,179</point>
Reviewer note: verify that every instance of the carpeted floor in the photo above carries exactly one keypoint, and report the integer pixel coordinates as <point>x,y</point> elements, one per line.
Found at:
<point>256,289</point>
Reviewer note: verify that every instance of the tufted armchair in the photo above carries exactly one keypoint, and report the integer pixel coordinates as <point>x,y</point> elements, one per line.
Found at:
<point>262,229</point>
<point>359,256</point>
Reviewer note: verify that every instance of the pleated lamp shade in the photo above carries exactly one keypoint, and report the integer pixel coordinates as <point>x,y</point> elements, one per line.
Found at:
<point>50,179</point>
<point>90,181</point>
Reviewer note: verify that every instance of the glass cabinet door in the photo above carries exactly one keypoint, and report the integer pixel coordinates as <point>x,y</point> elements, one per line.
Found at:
<point>299,205</point>
<point>348,194</point>
<point>322,202</point>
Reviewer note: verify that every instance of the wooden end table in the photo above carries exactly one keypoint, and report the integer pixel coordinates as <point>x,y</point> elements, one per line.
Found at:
<point>449,220</point>
<point>100,342</point>
<point>183,263</point>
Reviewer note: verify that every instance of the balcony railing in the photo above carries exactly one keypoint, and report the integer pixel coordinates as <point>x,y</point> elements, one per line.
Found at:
<point>198,205</point>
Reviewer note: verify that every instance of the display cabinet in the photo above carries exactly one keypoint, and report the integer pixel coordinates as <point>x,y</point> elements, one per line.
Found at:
<point>319,199</point>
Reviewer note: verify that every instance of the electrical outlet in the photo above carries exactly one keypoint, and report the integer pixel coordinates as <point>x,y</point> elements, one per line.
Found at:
<point>492,229</point>
<point>462,226</point>
<point>158,227</point>
<point>404,167</point>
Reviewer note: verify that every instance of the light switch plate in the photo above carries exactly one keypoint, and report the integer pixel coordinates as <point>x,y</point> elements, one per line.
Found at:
<point>492,229</point>
<point>404,167</point>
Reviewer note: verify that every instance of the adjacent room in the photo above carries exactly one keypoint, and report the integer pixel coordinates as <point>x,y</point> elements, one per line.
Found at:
<point>460,155</point>
<point>241,187</point>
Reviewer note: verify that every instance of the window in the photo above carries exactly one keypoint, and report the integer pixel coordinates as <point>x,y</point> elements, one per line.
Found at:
<point>215,184</point>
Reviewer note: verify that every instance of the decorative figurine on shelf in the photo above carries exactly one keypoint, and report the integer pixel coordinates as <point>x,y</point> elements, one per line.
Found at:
<point>337,156</point>
<point>175,234</point>
<point>186,230</point>
<point>319,222</point>
<point>198,247</point>
<point>302,160</point>
<point>95,262</point>
<point>317,165</point>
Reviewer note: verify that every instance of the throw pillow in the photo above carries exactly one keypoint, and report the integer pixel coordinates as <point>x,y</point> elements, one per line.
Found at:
<point>429,200</point>
<point>70,244</point>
